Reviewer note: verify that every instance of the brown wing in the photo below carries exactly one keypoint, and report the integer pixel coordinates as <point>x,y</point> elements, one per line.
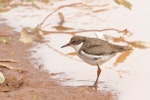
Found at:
<point>100,47</point>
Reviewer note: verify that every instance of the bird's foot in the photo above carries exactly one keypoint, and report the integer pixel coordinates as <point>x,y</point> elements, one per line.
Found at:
<point>94,86</point>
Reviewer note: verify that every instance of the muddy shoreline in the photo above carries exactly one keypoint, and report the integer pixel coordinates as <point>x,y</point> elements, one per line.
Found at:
<point>30,83</point>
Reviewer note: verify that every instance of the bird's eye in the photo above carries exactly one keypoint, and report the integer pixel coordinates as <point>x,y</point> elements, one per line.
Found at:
<point>73,42</point>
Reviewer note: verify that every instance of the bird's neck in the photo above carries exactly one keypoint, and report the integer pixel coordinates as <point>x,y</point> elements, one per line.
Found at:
<point>77,47</point>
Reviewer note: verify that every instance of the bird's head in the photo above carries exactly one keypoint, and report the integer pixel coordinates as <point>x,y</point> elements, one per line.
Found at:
<point>75,40</point>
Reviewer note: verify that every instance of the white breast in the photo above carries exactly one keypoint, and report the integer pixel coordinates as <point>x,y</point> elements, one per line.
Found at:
<point>93,59</point>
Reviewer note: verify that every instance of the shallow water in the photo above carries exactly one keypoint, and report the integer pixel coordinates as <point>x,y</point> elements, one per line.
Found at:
<point>128,79</point>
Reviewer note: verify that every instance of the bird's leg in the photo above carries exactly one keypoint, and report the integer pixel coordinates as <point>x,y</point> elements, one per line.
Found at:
<point>98,73</point>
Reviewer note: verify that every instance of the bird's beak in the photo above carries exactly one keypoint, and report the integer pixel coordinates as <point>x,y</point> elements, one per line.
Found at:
<point>66,45</point>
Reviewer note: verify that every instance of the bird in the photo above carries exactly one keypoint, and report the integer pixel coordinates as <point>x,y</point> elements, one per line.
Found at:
<point>94,51</point>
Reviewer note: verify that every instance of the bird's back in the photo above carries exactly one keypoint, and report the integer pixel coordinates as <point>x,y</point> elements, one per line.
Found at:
<point>97,46</point>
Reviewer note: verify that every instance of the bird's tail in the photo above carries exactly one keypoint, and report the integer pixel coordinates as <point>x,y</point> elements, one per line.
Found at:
<point>123,48</point>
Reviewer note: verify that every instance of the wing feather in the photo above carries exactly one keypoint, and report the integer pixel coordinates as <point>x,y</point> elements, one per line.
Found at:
<point>100,47</point>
